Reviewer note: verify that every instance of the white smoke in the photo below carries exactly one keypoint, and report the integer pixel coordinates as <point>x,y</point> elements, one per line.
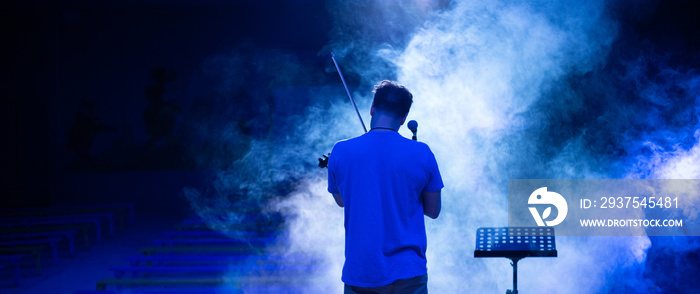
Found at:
<point>476,69</point>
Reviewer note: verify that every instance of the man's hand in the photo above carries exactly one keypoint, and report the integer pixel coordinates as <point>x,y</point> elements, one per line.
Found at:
<point>432,203</point>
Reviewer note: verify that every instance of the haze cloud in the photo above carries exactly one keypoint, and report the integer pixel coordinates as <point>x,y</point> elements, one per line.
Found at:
<point>502,90</point>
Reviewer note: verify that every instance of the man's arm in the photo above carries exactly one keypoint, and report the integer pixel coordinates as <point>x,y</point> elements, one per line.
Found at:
<point>338,199</point>
<point>432,203</point>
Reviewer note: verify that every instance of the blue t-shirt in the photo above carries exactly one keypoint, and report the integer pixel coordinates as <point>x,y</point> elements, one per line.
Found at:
<point>380,176</point>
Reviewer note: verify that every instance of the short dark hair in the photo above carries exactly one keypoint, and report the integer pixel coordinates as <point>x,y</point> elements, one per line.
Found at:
<point>392,97</point>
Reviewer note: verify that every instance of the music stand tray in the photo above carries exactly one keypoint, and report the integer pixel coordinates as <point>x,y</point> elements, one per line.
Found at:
<point>515,243</point>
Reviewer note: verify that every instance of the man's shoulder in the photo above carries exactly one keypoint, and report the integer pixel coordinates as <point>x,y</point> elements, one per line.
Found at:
<point>416,145</point>
<point>345,145</point>
<point>345,142</point>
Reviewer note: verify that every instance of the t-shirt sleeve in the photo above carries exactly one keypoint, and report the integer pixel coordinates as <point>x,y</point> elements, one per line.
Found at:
<point>434,177</point>
<point>332,184</point>
<point>332,187</point>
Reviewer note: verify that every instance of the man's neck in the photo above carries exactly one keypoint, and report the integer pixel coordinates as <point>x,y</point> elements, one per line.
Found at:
<point>384,123</point>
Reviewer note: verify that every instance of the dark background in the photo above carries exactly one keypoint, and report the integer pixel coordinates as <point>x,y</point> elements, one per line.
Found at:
<point>61,58</point>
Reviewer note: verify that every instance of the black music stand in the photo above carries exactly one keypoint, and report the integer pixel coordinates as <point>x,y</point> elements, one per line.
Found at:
<point>515,243</point>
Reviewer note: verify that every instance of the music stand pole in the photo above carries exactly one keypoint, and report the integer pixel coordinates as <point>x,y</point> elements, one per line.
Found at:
<point>514,263</point>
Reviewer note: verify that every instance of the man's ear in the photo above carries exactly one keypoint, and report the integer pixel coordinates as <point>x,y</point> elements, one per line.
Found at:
<point>371,110</point>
